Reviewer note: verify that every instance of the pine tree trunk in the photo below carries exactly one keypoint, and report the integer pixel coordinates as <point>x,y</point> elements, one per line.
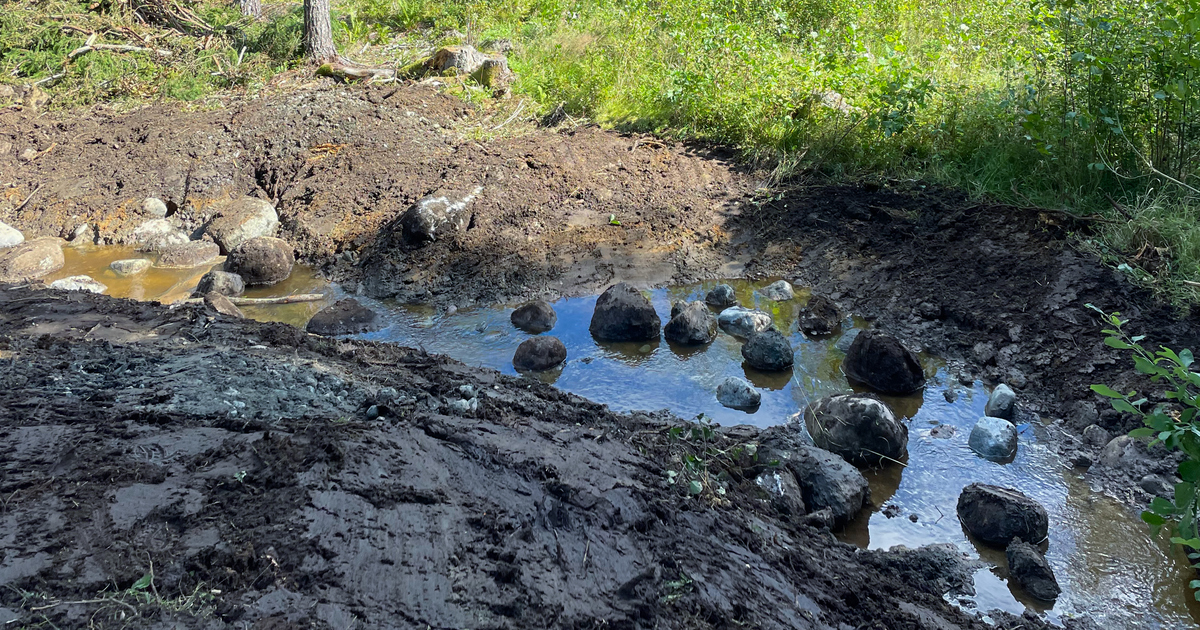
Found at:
<point>252,8</point>
<point>318,32</point>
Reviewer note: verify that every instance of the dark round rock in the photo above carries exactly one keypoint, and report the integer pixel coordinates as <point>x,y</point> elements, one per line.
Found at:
<point>882,363</point>
<point>768,351</point>
<point>223,282</point>
<point>997,515</point>
<point>535,317</point>
<point>539,353</point>
<point>721,296</point>
<point>1029,567</point>
<point>859,427</point>
<point>346,317</point>
<point>262,261</point>
<point>820,316</point>
<point>624,314</point>
<point>691,324</point>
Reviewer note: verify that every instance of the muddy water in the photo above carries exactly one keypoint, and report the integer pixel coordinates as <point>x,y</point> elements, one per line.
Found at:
<point>1106,561</point>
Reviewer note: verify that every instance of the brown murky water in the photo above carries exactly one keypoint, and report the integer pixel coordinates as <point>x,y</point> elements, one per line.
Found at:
<point>1105,559</point>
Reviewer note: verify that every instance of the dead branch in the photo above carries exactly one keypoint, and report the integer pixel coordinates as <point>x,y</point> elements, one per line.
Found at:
<point>117,48</point>
<point>244,301</point>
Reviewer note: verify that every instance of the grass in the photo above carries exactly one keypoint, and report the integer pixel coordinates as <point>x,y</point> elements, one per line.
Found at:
<point>1084,106</point>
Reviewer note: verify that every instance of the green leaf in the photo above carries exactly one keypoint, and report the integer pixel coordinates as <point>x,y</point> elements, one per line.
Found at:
<point>1143,432</point>
<point>694,487</point>
<point>1185,357</point>
<point>1114,342</point>
<point>1106,391</point>
<point>1185,493</point>
<point>1153,519</point>
<point>1190,471</point>
<point>1193,543</point>
<point>143,583</point>
<point>1146,367</point>
<point>1123,405</point>
<point>1162,506</point>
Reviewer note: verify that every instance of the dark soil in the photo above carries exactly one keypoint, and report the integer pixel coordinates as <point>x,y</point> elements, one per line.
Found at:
<point>235,463</point>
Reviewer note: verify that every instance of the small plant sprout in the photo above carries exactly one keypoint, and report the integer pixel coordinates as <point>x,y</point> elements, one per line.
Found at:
<point>240,476</point>
<point>612,220</point>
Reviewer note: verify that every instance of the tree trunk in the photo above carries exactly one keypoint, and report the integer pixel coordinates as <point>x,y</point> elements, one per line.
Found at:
<point>252,8</point>
<point>318,32</point>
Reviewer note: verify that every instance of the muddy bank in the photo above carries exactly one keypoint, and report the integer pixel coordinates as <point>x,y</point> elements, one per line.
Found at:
<point>236,462</point>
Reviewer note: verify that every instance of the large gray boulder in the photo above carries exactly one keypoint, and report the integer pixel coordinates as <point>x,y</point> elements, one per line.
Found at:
<point>691,324</point>
<point>535,317</point>
<point>721,296</point>
<point>262,261</point>
<point>223,282</point>
<point>994,439</point>
<point>998,515</point>
<point>743,322</point>
<point>779,291</point>
<point>738,393</point>
<point>1029,568</point>
<point>820,316</point>
<point>242,220</point>
<point>31,260</point>
<point>10,236</point>
<point>346,317</point>
<point>156,235</point>
<point>154,207</point>
<point>188,255</point>
<point>859,427</point>
<point>434,217</point>
<point>768,351</point>
<point>1002,403</point>
<point>826,480</point>
<point>623,314</point>
<point>79,283</point>
<point>539,353</point>
<point>882,363</point>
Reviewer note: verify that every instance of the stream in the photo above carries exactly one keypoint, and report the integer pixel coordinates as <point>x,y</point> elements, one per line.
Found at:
<point>1108,564</point>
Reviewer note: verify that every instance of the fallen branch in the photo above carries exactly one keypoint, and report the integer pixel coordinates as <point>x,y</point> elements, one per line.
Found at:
<point>244,301</point>
<point>23,203</point>
<point>82,50</point>
<point>344,72</point>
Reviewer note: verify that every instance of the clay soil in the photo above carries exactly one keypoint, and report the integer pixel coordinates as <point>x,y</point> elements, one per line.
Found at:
<point>238,457</point>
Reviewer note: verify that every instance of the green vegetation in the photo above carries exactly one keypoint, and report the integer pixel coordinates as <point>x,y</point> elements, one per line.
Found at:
<point>1087,106</point>
<point>1174,425</point>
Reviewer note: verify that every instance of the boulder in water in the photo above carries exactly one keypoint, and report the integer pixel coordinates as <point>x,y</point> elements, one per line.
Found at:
<point>223,282</point>
<point>188,255</point>
<point>1029,568</point>
<point>242,220</point>
<point>31,259</point>
<point>79,283</point>
<point>743,322</point>
<point>130,267</point>
<point>738,393</point>
<point>882,363</point>
<point>346,317</point>
<point>779,291</point>
<point>1002,403</point>
<point>624,314</point>
<point>997,515</point>
<point>820,316</point>
<point>535,317</point>
<point>539,353</point>
<point>994,439</point>
<point>262,261</point>
<point>691,325</point>
<point>859,427</point>
<point>768,351</point>
<point>721,296</point>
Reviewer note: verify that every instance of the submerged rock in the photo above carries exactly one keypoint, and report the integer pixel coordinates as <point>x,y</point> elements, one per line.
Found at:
<point>826,480</point>
<point>535,317</point>
<point>130,266</point>
<point>743,322</point>
<point>623,314</point>
<point>1029,568</point>
<point>820,316</point>
<point>435,216</point>
<point>882,363</point>
<point>223,282</point>
<point>31,260</point>
<point>768,351</point>
<point>79,283</point>
<point>189,254</point>
<point>10,236</point>
<point>780,291</point>
<point>738,393</point>
<point>223,305</point>
<point>994,439</point>
<point>346,317</point>
<point>262,261</point>
<point>539,353</point>
<point>721,296</point>
<point>1002,403</point>
<point>997,515</point>
<point>242,220</point>
<point>859,427</point>
<point>691,325</point>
